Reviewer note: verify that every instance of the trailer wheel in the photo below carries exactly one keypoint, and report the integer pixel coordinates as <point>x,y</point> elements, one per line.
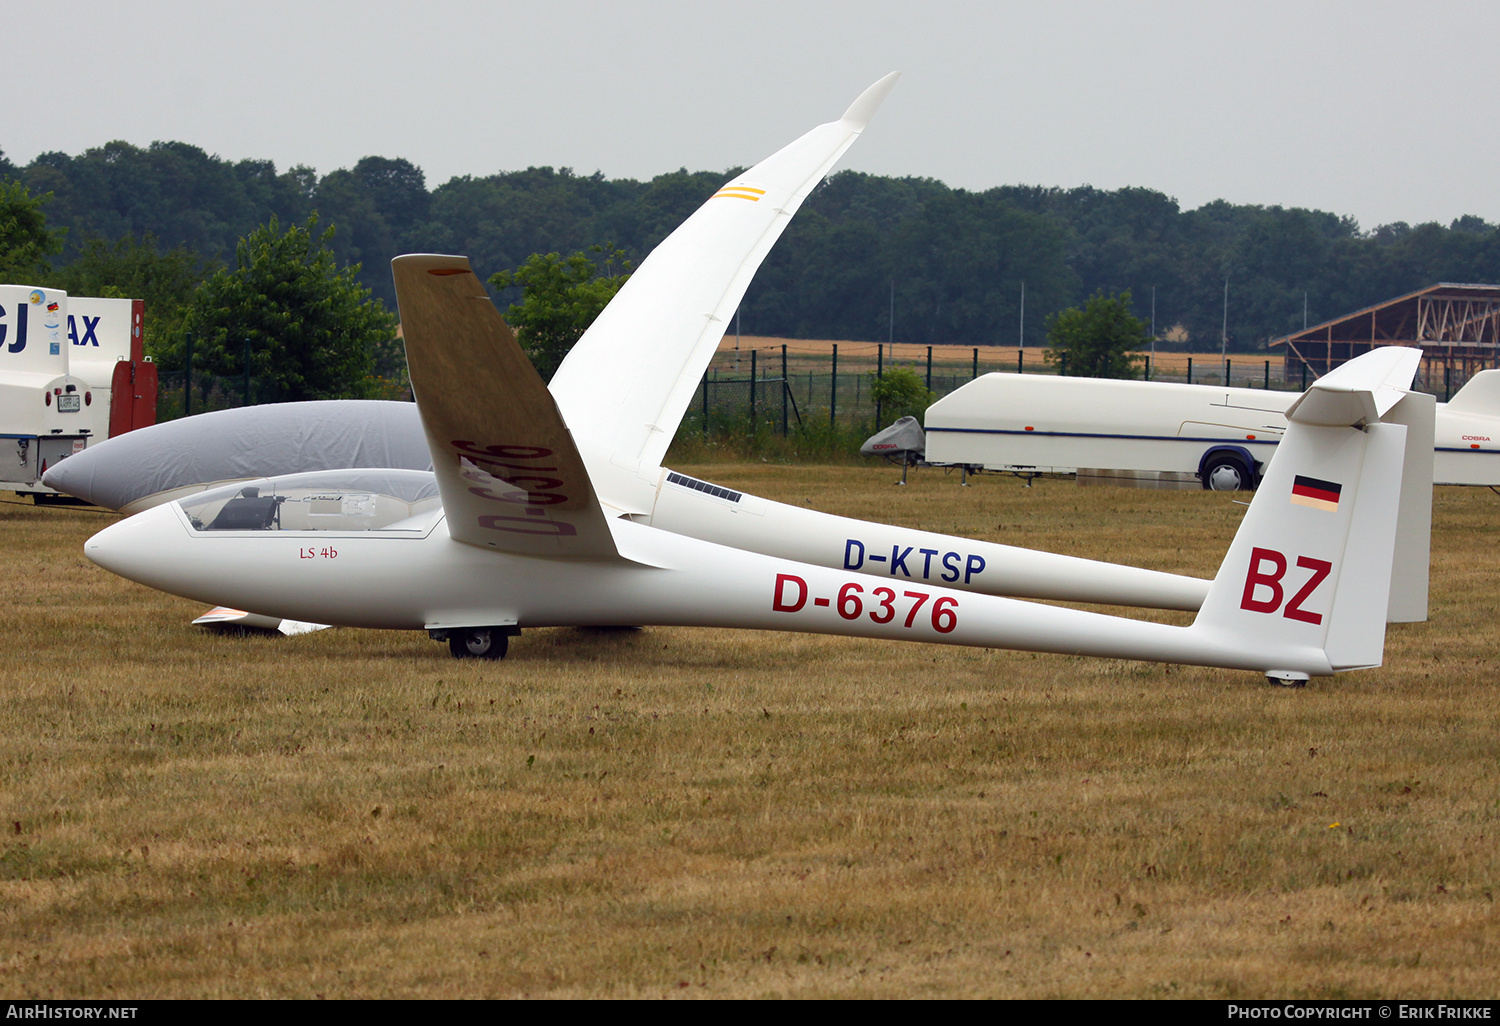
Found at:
<point>478,643</point>
<point>1227,473</point>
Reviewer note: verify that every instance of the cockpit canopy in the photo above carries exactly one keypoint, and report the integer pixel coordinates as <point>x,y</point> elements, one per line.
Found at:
<point>326,500</point>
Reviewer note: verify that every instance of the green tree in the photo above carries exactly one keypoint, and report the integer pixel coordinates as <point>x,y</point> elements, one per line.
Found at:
<point>174,191</point>
<point>373,206</point>
<point>310,325</point>
<point>1097,341</point>
<point>130,268</point>
<point>900,393</point>
<point>25,240</point>
<point>562,297</point>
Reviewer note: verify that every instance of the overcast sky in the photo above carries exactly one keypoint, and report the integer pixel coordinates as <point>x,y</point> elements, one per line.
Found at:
<point>1382,111</point>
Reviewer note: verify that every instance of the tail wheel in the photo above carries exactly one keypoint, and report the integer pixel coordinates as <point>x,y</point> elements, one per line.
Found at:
<point>478,643</point>
<point>1227,473</point>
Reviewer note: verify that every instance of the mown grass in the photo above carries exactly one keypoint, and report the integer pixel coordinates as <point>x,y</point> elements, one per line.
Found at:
<point>720,813</point>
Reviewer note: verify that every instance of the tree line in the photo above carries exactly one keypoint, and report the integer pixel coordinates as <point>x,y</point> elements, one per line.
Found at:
<point>868,258</point>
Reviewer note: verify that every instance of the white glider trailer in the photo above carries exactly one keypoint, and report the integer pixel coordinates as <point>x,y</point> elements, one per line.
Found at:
<point>72,373</point>
<point>1161,434</point>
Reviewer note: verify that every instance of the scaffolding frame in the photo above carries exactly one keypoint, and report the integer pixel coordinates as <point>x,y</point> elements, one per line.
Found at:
<point>1457,327</point>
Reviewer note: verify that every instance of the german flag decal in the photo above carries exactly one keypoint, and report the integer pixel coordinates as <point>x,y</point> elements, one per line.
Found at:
<point>1309,491</point>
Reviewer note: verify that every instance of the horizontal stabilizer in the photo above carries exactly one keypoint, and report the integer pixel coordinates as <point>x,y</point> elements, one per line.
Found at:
<point>1360,391</point>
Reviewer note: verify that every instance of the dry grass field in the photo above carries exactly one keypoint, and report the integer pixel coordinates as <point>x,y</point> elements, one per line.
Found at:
<point>804,355</point>
<point>733,814</point>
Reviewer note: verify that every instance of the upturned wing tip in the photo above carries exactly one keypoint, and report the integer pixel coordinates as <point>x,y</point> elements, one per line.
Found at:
<point>861,110</point>
<point>439,262</point>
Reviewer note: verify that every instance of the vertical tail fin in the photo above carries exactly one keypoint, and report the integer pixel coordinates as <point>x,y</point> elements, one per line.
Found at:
<point>1307,579</point>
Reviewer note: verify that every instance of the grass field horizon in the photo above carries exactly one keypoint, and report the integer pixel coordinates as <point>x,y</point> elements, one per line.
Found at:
<point>686,812</point>
<point>1172,359</point>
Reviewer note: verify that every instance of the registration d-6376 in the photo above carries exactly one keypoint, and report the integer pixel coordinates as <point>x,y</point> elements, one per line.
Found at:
<point>880,604</point>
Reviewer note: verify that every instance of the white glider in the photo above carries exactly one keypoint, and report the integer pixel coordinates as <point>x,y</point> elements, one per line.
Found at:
<point>519,535</point>
<point>550,508</point>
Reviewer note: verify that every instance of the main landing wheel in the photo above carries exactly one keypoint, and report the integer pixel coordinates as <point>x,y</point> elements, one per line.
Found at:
<point>1227,474</point>
<point>478,643</point>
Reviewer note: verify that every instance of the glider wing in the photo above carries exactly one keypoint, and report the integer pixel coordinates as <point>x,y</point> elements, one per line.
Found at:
<point>628,381</point>
<point>508,472</point>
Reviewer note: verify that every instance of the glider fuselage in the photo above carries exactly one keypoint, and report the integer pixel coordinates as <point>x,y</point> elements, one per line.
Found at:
<point>423,579</point>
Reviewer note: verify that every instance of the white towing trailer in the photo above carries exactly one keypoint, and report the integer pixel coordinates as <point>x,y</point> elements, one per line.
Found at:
<point>71,374</point>
<point>1221,437</point>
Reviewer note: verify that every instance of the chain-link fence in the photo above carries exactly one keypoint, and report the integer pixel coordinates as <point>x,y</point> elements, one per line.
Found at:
<point>782,405</point>
<point>179,393</point>
<point>782,387</point>
<point>779,389</point>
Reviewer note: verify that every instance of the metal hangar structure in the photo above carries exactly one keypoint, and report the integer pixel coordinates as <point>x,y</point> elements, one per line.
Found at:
<point>1456,326</point>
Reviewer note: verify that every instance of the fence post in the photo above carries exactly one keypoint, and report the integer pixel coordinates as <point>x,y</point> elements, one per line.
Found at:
<point>1062,369</point>
<point>1268,375</point>
<point>1304,375</point>
<point>833,390</point>
<point>1148,368</point>
<point>929,368</point>
<point>705,404</point>
<point>976,363</point>
<point>785,384</point>
<point>752,393</point>
<point>1190,370</point>
<point>879,373</point>
<point>187,381</point>
<point>1226,373</point>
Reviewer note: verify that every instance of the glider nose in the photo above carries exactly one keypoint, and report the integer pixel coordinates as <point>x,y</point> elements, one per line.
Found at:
<point>137,547</point>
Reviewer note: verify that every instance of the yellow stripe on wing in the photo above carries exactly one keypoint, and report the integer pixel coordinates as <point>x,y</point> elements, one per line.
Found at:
<point>744,192</point>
